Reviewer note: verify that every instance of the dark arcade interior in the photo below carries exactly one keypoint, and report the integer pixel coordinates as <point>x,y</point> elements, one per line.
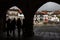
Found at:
<point>28,7</point>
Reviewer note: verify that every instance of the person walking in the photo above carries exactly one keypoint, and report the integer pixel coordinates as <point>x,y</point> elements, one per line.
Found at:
<point>19,26</point>
<point>8,26</point>
<point>13,26</point>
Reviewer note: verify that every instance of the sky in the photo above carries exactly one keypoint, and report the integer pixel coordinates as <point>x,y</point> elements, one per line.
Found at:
<point>50,6</point>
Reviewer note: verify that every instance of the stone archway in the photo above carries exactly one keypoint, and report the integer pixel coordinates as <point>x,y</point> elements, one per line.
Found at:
<point>28,7</point>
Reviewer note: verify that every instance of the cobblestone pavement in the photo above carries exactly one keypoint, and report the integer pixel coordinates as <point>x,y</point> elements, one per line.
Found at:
<point>40,33</point>
<point>48,32</point>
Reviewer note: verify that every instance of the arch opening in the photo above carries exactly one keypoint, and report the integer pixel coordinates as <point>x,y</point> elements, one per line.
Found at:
<point>14,12</point>
<point>49,12</point>
<point>47,18</point>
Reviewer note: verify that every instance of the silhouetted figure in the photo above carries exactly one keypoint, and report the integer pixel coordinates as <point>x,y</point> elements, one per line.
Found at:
<point>8,26</point>
<point>13,25</point>
<point>24,29</point>
<point>19,26</point>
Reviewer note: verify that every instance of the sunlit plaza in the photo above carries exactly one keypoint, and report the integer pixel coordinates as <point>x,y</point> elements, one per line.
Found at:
<point>47,16</point>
